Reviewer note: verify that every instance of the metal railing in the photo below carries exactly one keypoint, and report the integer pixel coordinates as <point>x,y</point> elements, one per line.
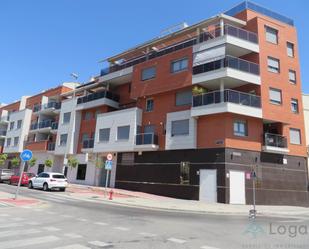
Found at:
<point>231,62</point>
<point>54,105</point>
<point>51,146</point>
<point>54,126</point>
<point>146,138</point>
<point>275,140</point>
<point>42,124</point>
<point>88,143</point>
<point>241,33</point>
<point>98,95</point>
<point>227,95</point>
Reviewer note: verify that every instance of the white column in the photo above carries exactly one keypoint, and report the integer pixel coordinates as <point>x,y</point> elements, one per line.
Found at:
<point>221,27</point>
<point>221,90</point>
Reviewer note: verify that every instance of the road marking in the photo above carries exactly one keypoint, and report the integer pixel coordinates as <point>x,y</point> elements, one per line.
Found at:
<point>33,223</point>
<point>27,242</point>
<point>20,232</point>
<point>4,215</point>
<point>74,246</point>
<point>73,235</point>
<point>81,219</point>
<point>178,241</point>
<point>52,229</point>
<point>122,228</point>
<point>101,223</point>
<point>99,243</point>
<point>10,225</point>
<point>148,234</point>
<point>17,219</point>
<point>208,247</point>
<point>66,216</point>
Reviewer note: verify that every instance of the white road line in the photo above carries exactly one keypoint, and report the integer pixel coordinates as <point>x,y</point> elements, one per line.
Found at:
<point>74,246</point>
<point>101,223</point>
<point>4,215</point>
<point>208,247</point>
<point>99,243</point>
<point>8,225</point>
<point>17,219</point>
<point>52,229</point>
<point>19,232</point>
<point>32,223</point>
<point>178,241</point>
<point>148,234</point>
<point>81,219</point>
<point>72,235</point>
<point>27,242</point>
<point>121,228</point>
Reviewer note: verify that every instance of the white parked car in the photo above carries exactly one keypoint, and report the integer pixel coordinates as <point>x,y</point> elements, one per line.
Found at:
<point>48,181</point>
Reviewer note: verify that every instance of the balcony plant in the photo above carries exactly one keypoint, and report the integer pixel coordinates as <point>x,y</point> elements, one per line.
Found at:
<point>197,90</point>
<point>72,162</point>
<point>48,163</point>
<point>3,158</point>
<point>15,162</point>
<point>32,162</point>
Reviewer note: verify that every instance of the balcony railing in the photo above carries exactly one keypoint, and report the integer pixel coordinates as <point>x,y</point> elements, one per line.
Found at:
<point>2,133</point>
<point>98,95</point>
<point>51,146</point>
<point>5,118</point>
<point>42,124</point>
<point>88,144</point>
<point>275,140</point>
<point>230,62</point>
<point>54,105</point>
<point>228,95</point>
<point>54,126</point>
<point>146,138</point>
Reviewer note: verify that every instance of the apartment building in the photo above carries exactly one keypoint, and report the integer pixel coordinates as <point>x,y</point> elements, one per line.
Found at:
<point>197,113</point>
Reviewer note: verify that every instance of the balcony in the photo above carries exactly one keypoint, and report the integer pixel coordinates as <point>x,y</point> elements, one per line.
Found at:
<point>2,134</point>
<point>51,146</point>
<point>54,127</point>
<point>146,141</point>
<point>36,145</point>
<point>43,126</point>
<point>48,109</point>
<point>234,71</point>
<point>88,145</point>
<point>97,99</point>
<point>275,143</point>
<point>226,101</point>
<point>4,120</point>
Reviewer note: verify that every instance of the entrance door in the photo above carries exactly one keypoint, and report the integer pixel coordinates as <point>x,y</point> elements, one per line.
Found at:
<point>40,168</point>
<point>208,185</point>
<point>237,187</point>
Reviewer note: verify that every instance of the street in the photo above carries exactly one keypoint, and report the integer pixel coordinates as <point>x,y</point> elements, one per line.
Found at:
<point>64,222</point>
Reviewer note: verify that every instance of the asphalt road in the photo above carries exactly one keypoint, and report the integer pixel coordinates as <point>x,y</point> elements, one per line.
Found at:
<point>64,222</point>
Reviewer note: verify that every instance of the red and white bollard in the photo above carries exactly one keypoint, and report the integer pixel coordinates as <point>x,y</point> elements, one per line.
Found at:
<point>111,194</point>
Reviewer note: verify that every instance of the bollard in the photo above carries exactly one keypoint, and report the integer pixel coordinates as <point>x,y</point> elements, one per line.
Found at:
<point>111,195</point>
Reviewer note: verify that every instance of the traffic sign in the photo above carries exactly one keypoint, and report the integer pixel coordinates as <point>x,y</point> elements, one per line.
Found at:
<point>108,165</point>
<point>109,156</point>
<point>26,155</point>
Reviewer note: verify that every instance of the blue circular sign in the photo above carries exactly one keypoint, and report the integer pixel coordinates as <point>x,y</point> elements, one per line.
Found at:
<point>26,155</point>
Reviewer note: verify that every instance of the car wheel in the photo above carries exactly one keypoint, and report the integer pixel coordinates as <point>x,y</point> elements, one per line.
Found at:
<point>62,189</point>
<point>45,186</point>
<point>30,185</point>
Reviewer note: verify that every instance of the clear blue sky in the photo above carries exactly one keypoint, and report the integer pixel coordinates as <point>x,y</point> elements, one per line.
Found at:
<point>43,41</point>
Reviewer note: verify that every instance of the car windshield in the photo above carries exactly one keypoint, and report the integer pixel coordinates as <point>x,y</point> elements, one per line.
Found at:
<point>59,176</point>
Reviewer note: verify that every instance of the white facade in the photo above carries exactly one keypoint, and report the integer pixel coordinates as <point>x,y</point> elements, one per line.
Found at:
<point>180,141</point>
<point>306,118</point>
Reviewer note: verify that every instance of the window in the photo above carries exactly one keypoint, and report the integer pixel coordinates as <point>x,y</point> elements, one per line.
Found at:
<point>148,73</point>
<point>179,65</point>
<point>149,105</point>
<point>292,76</point>
<point>294,105</point>
<point>240,128</point>
<point>295,137</point>
<point>11,126</point>
<point>180,127</point>
<point>290,49</point>
<point>66,117</point>
<point>104,135</point>
<point>271,35</point>
<point>184,98</point>
<point>19,123</point>
<point>16,140</point>
<point>273,65</point>
<point>88,116</point>
<point>85,137</point>
<point>123,132</point>
<point>63,139</point>
<point>8,142</point>
<point>81,171</point>
<point>275,96</point>
<point>149,129</point>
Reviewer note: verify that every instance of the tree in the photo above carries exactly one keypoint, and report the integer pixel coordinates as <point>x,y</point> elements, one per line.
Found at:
<point>48,163</point>
<point>15,162</point>
<point>32,162</point>
<point>72,162</point>
<point>3,158</point>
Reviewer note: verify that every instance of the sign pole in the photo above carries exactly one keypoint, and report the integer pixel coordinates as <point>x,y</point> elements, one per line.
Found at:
<point>106,183</point>
<point>20,177</point>
<point>254,210</point>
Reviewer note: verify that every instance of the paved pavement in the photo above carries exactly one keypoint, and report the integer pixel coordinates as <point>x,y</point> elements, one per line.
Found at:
<point>63,221</point>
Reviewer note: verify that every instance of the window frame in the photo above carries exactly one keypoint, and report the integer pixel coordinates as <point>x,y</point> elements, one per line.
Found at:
<point>66,141</point>
<point>173,134</point>
<point>152,106</point>
<point>123,139</point>
<point>292,81</point>
<point>63,118</point>
<point>269,68</point>
<point>148,68</point>
<point>273,29</point>
<point>109,132</point>
<point>299,133</point>
<point>295,101</point>
<point>183,92</point>
<point>274,101</point>
<point>8,142</point>
<point>80,171</point>
<point>238,133</point>
<point>19,124</point>
<point>16,141</point>
<point>12,124</point>
<point>179,61</point>
<point>293,49</point>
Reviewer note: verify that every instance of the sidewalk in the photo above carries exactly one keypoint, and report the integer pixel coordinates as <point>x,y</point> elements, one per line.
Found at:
<point>7,200</point>
<point>149,201</point>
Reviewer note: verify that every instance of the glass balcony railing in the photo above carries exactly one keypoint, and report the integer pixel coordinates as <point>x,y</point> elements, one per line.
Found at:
<point>230,96</point>
<point>54,105</point>
<point>230,62</point>
<point>98,95</point>
<point>42,124</point>
<point>275,140</point>
<point>146,138</point>
<point>88,143</point>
